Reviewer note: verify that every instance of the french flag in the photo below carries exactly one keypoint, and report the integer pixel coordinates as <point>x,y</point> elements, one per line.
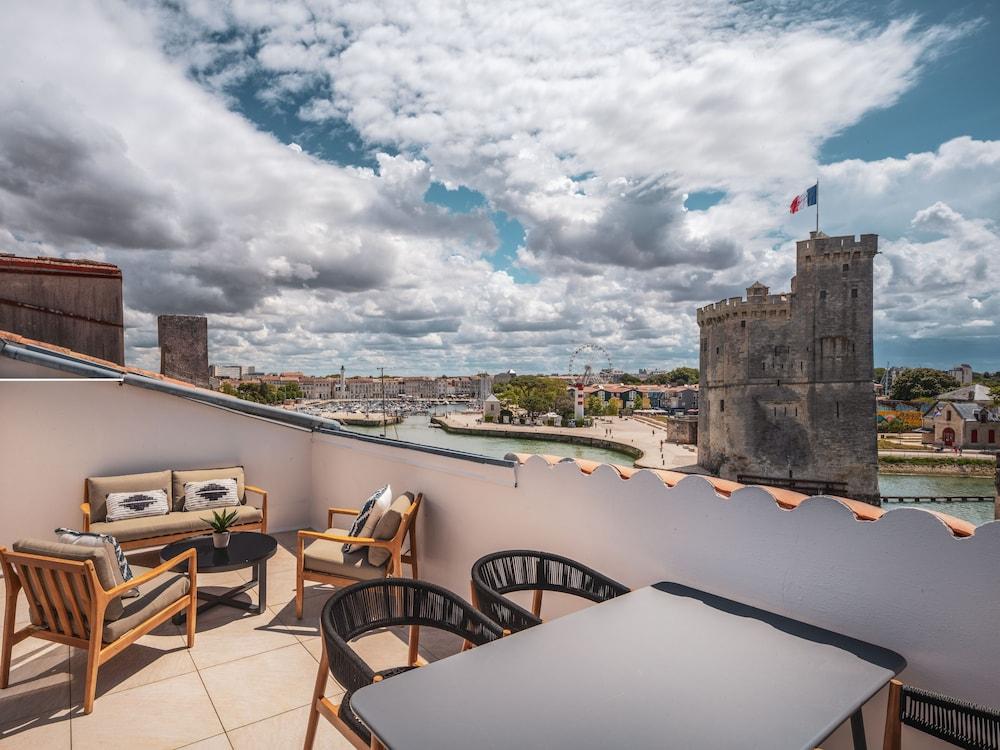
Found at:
<point>809,198</point>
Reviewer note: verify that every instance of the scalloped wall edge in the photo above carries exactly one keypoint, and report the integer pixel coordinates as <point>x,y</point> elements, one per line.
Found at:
<point>786,499</point>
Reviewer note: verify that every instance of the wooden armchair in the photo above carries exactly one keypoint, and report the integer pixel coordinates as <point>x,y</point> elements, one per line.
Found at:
<point>70,602</point>
<point>324,560</point>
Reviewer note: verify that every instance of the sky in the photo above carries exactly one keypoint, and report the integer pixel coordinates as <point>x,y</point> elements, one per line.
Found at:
<point>450,187</point>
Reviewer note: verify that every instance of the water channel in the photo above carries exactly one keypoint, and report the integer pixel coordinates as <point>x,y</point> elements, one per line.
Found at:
<point>417,429</point>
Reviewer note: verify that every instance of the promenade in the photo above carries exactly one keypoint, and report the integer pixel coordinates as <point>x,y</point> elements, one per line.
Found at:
<point>623,433</point>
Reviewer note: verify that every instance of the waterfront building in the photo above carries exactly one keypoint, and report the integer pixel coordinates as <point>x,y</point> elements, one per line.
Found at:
<point>317,388</point>
<point>491,408</point>
<point>785,379</point>
<point>962,373</point>
<point>420,387</point>
<point>964,425</point>
<point>233,372</point>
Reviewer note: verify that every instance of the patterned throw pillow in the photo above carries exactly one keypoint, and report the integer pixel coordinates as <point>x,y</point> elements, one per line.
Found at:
<point>122,505</point>
<point>93,539</point>
<point>371,511</point>
<point>210,493</point>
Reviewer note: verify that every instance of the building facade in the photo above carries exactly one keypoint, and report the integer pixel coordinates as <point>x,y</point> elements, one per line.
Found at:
<point>785,384</point>
<point>76,304</point>
<point>964,424</point>
<point>962,373</point>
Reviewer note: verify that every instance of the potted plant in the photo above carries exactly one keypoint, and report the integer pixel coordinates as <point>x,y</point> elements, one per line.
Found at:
<point>220,524</point>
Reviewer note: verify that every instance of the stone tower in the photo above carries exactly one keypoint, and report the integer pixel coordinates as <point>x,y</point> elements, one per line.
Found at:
<point>184,347</point>
<point>786,395</point>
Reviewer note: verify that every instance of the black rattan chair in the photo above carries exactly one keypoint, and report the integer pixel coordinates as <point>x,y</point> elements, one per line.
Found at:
<point>958,723</point>
<point>364,607</point>
<point>525,570</point>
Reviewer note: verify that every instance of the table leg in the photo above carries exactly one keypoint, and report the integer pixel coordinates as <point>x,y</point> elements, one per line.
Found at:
<point>858,731</point>
<point>260,575</point>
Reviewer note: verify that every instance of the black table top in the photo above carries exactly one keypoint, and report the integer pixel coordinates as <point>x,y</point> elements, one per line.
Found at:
<point>245,548</point>
<point>665,666</point>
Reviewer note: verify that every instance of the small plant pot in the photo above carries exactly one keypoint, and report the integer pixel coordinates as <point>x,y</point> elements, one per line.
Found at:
<point>220,539</point>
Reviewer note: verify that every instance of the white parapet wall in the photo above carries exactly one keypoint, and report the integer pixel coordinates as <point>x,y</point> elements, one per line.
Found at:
<point>904,582</point>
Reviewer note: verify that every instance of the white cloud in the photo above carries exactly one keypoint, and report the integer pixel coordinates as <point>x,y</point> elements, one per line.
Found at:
<point>588,123</point>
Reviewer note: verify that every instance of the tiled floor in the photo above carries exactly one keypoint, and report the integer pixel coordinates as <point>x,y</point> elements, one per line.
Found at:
<point>245,684</point>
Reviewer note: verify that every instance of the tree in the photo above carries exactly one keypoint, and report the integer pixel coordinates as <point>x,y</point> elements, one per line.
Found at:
<point>593,406</point>
<point>677,376</point>
<point>613,407</point>
<point>535,394</point>
<point>877,374</point>
<point>921,382</point>
<point>627,379</point>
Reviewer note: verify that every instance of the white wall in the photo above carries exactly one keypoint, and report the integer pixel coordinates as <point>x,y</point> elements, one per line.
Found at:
<point>903,582</point>
<point>55,434</point>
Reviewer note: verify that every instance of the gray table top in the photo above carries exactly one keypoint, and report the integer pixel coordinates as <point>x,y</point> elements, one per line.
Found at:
<point>665,666</point>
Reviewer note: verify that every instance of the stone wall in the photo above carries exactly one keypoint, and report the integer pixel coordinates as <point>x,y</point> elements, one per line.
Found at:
<point>184,347</point>
<point>70,303</point>
<point>786,387</point>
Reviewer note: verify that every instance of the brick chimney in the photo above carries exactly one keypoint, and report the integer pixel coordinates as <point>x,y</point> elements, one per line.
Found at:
<point>184,347</point>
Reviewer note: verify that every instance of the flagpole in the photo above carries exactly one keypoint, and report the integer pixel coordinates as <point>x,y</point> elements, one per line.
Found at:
<point>817,205</point>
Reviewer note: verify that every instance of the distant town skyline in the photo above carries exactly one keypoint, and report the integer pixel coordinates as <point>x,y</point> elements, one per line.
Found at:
<point>446,192</point>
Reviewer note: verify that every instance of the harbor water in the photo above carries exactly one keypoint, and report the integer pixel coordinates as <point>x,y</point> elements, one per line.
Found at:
<point>417,429</point>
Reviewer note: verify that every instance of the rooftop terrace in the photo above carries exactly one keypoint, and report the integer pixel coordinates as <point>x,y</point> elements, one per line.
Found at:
<point>920,584</point>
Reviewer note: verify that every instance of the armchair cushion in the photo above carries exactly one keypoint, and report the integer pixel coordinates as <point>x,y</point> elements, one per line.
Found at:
<point>154,596</point>
<point>387,528</point>
<point>180,478</point>
<point>328,557</point>
<point>99,487</point>
<point>108,573</point>
<point>371,511</point>
<point>173,523</point>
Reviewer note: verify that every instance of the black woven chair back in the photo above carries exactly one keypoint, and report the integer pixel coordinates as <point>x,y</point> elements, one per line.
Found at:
<point>364,607</point>
<point>961,724</point>
<point>526,570</point>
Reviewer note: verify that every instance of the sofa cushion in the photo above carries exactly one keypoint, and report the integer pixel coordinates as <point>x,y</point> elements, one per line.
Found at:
<point>211,493</point>
<point>180,478</point>
<point>99,487</point>
<point>154,596</point>
<point>138,504</point>
<point>329,557</point>
<point>371,511</point>
<point>177,522</point>
<point>387,527</point>
<point>105,564</point>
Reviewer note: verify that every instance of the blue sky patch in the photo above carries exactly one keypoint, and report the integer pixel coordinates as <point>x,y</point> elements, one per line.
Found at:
<point>703,199</point>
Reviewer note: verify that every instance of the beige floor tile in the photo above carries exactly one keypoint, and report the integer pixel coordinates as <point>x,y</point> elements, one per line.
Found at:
<point>170,713</point>
<point>258,687</point>
<point>280,586</point>
<point>287,730</point>
<point>150,659</point>
<point>48,734</point>
<point>225,634</point>
<point>218,742</point>
<point>39,689</point>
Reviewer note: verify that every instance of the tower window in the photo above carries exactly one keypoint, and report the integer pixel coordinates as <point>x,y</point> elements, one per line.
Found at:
<point>822,293</point>
<point>854,293</point>
<point>722,404</point>
<point>716,350</point>
<point>743,324</point>
<point>838,410</point>
<point>846,267</point>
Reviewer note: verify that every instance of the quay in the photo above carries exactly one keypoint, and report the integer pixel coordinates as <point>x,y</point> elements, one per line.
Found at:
<point>638,439</point>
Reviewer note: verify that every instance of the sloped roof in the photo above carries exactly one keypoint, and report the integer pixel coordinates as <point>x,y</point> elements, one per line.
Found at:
<point>974,392</point>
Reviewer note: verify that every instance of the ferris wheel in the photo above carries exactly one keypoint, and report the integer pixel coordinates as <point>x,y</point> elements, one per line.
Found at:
<point>587,362</point>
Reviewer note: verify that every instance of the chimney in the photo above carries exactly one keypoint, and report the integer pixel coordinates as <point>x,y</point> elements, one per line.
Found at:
<point>184,347</point>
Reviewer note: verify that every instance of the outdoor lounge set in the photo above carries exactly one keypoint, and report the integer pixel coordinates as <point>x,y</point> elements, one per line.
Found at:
<point>81,591</point>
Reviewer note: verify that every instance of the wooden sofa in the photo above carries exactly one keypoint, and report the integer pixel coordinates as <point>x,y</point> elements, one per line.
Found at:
<point>152,531</point>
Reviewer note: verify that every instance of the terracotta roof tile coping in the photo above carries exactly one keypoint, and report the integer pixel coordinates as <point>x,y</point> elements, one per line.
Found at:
<point>787,499</point>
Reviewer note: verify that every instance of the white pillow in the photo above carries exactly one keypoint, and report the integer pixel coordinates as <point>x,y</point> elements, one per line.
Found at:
<point>111,548</point>
<point>210,493</point>
<point>122,505</point>
<point>365,522</point>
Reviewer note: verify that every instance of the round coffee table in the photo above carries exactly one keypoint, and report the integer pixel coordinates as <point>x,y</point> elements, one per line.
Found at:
<point>246,549</point>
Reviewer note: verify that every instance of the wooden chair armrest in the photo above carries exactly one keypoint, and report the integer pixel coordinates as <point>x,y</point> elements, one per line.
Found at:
<point>344,539</point>
<point>331,512</point>
<point>190,555</point>
<point>255,490</point>
<point>85,507</point>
